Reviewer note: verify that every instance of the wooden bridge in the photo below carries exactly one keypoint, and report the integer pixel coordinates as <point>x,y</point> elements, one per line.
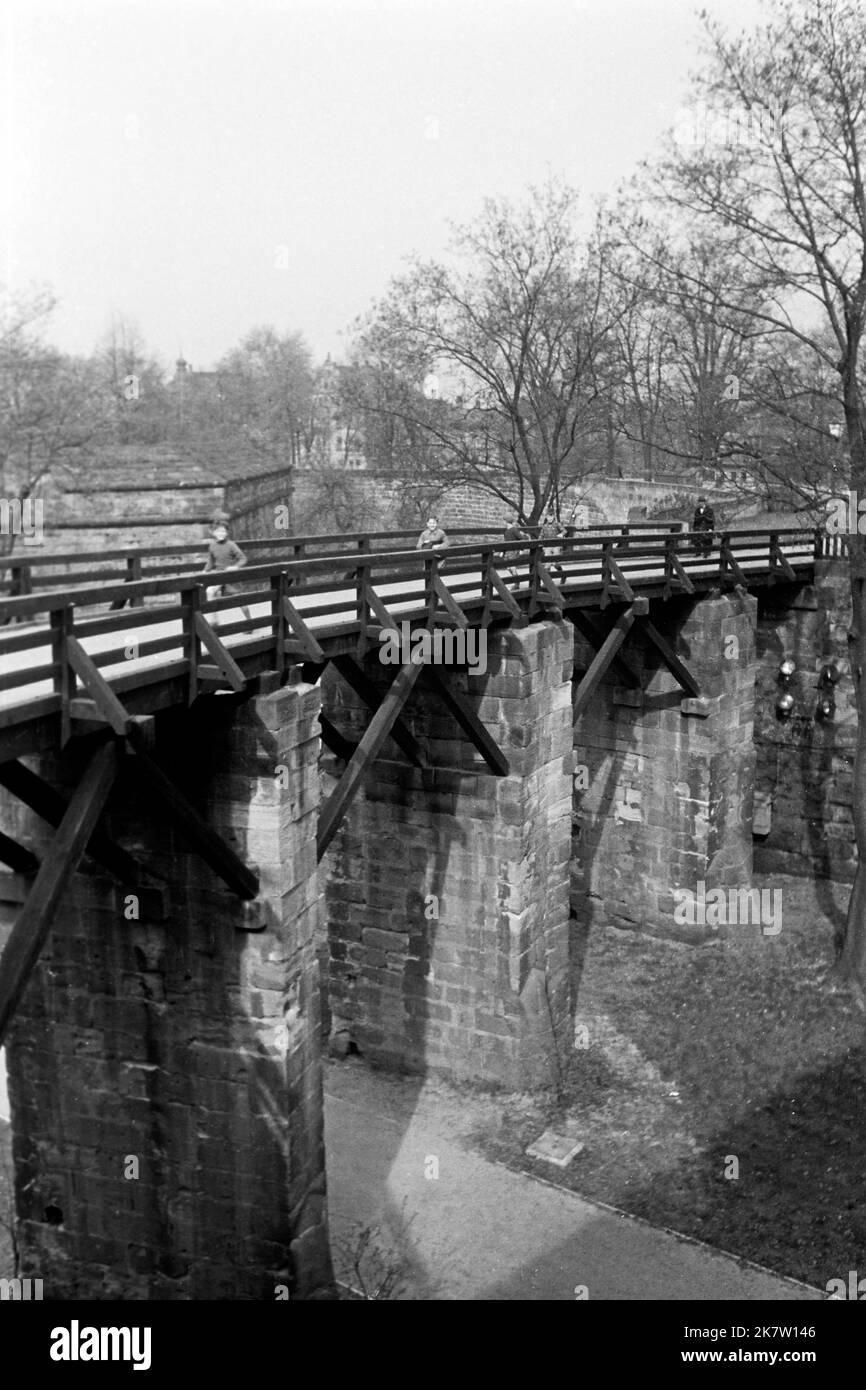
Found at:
<point>96,648</point>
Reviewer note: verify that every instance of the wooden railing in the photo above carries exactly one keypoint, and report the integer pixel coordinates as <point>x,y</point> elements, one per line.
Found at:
<point>299,603</point>
<point>829,546</point>
<point>23,572</point>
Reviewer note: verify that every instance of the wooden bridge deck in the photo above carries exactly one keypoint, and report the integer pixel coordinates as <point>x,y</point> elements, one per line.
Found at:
<point>158,649</point>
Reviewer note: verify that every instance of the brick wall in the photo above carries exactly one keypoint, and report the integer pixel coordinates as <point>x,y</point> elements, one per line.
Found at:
<point>180,1041</point>
<point>481,990</point>
<point>668,798</point>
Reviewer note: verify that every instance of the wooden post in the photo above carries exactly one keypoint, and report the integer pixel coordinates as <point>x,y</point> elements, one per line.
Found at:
<point>536,552</point>
<point>133,568</point>
<point>362,579</point>
<point>606,550</point>
<point>431,573</point>
<point>486,583</point>
<point>670,544</point>
<point>64,677</point>
<point>190,598</point>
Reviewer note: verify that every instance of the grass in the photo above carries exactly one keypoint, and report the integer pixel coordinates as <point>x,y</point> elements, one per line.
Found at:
<point>694,1056</point>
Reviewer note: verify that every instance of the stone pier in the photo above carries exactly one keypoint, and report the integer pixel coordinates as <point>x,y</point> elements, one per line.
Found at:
<point>164,1066</point>
<point>663,783</point>
<point>447,887</point>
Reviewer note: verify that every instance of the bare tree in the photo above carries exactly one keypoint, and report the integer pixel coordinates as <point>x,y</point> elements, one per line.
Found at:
<point>781,181</point>
<point>499,359</point>
<point>137,402</point>
<point>50,406</point>
<point>263,396</point>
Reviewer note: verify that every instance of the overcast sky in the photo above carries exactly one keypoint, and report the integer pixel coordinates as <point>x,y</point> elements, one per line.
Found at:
<point>205,166</point>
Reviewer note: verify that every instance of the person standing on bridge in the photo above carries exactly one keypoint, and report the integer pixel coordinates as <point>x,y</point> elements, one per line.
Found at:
<point>705,521</point>
<point>514,532</point>
<point>224,554</point>
<point>553,530</point>
<point>432,538</point>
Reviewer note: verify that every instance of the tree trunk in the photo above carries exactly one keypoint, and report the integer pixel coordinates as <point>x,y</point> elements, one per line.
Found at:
<point>851,948</point>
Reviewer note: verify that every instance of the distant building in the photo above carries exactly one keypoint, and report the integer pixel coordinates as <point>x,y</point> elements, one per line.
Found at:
<point>336,439</point>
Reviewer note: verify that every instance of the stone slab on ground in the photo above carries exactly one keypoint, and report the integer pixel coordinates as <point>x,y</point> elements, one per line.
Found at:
<point>553,1147</point>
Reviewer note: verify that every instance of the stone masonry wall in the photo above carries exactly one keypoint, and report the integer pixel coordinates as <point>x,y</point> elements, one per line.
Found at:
<point>803,788</point>
<point>164,1068</point>
<point>447,888</point>
<point>252,504</point>
<point>90,517</point>
<point>663,797</point>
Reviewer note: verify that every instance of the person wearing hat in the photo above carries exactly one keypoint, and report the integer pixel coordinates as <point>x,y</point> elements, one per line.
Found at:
<point>704,520</point>
<point>223,554</point>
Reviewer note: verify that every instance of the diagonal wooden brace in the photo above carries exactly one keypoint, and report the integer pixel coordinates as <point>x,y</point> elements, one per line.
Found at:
<point>380,726</point>
<point>673,567</point>
<point>33,923</point>
<point>469,722</point>
<point>613,580</point>
<point>340,746</point>
<point>603,658</point>
<point>727,562</point>
<point>446,598</point>
<point>19,859</point>
<point>596,639</point>
<point>225,663</point>
<point>677,668</point>
<point>778,560</point>
<point>548,583</point>
<point>108,708</point>
<point>379,610</point>
<point>211,846</point>
<point>364,687</point>
<point>310,646</point>
<point>51,807</point>
<point>505,594</point>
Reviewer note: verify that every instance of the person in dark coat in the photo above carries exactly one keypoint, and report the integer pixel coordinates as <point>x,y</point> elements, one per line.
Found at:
<point>704,520</point>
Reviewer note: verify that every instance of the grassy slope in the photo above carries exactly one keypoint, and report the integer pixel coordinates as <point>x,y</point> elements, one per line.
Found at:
<point>738,1048</point>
